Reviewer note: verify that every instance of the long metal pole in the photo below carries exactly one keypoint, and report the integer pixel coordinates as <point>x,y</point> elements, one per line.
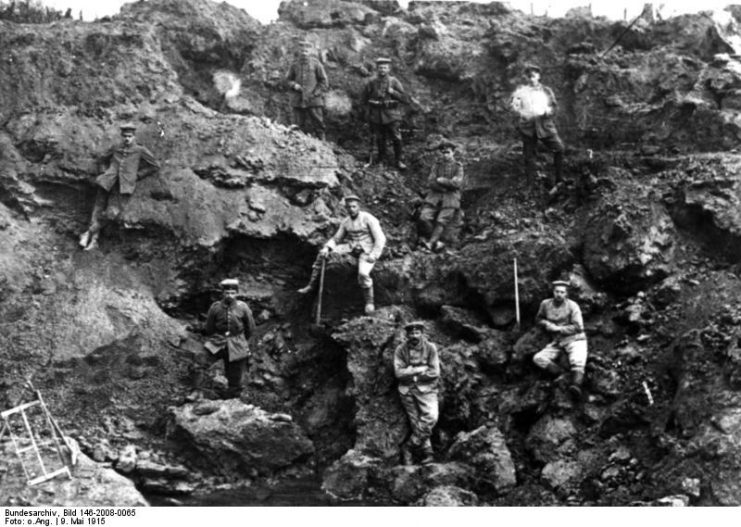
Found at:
<point>517,298</point>
<point>321,291</point>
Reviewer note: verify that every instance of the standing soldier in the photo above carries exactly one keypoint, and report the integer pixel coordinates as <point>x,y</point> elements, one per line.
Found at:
<point>122,174</point>
<point>561,318</point>
<point>382,96</point>
<point>230,325</point>
<point>359,235</point>
<point>535,105</point>
<point>444,198</point>
<point>417,368</point>
<point>308,82</point>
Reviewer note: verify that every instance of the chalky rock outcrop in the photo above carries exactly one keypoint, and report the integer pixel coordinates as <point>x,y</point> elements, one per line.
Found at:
<point>232,438</point>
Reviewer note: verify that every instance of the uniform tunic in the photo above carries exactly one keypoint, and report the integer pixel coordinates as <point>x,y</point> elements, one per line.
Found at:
<point>567,316</point>
<point>230,325</point>
<point>383,107</point>
<point>363,232</point>
<point>124,167</point>
<point>447,195</point>
<point>311,76</point>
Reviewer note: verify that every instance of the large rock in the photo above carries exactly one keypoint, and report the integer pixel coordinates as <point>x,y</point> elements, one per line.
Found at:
<point>308,14</point>
<point>552,438</point>
<point>351,476</point>
<point>409,484</point>
<point>486,450</point>
<point>381,424</point>
<point>629,238</point>
<point>449,496</point>
<point>235,438</point>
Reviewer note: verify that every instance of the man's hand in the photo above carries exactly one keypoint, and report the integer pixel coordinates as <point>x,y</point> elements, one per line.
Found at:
<point>550,326</point>
<point>324,252</point>
<point>296,86</point>
<point>370,258</point>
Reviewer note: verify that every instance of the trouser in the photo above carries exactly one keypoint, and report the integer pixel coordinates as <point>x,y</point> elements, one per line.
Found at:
<point>576,351</point>
<point>529,151</point>
<point>422,411</point>
<point>309,119</point>
<point>383,132</point>
<point>117,203</point>
<point>233,370</point>
<point>343,254</point>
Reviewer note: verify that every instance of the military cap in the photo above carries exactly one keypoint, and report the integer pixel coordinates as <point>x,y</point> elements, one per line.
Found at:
<point>531,67</point>
<point>564,283</point>
<point>229,283</point>
<point>127,126</point>
<point>352,197</point>
<point>383,60</point>
<point>445,143</point>
<point>414,324</point>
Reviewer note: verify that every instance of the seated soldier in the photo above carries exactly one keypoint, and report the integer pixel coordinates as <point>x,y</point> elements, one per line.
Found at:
<point>361,236</point>
<point>443,200</point>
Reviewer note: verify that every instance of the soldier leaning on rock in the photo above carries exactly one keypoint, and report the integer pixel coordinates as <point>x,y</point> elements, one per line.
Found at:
<point>562,319</point>
<point>417,369</point>
<point>308,83</point>
<point>443,201</point>
<point>535,105</point>
<point>117,183</point>
<point>382,97</point>
<point>361,236</point>
<point>229,326</point>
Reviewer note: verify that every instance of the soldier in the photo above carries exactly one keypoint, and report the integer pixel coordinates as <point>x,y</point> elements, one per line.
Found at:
<point>535,105</point>
<point>229,324</point>
<point>444,198</point>
<point>417,368</point>
<point>308,82</point>
<point>359,235</point>
<point>382,96</point>
<point>562,319</point>
<point>122,174</point>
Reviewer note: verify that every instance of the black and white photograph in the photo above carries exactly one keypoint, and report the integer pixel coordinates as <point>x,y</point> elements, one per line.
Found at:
<point>361,260</point>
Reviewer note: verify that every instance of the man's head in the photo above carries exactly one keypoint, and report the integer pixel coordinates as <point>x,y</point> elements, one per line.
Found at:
<point>560,291</point>
<point>304,48</point>
<point>446,149</point>
<point>415,330</point>
<point>383,65</point>
<point>229,289</point>
<point>352,204</point>
<point>532,74</point>
<point>127,133</point>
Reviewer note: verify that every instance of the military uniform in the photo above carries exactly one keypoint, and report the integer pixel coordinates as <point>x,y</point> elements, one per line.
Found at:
<point>126,165</point>
<point>308,82</point>
<point>382,99</point>
<point>362,238</point>
<point>571,337</point>
<point>229,325</point>
<point>541,128</point>
<point>417,369</point>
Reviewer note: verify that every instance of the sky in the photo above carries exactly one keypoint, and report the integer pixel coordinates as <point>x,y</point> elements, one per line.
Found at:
<point>267,10</point>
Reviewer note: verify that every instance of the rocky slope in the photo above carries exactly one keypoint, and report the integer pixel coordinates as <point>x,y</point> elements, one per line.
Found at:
<point>646,230</point>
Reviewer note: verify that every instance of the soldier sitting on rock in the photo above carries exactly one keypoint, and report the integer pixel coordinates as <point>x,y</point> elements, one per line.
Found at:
<point>417,369</point>
<point>229,324</point>
<point>361,236</point>
<point>308,82</point>
<point>118,182</point>
<point>562,319</point>
<point>443,201</point>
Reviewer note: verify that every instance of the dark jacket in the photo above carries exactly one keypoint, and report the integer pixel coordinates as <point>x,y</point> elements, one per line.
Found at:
<point>124,167</point>
<point>445,194</point>
<point>313,80</point>
<point>381,106</point>
<point>230,326</point>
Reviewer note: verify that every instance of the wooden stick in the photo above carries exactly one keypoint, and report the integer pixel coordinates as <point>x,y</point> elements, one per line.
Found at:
<point>321,291</point>
<point>517,298</point>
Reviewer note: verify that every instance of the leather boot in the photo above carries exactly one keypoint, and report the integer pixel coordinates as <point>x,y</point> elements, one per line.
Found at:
<point>312,281</point>
<point>436,233</point>
<point>576,381</point>
<point>554,369</point>
<point>370,307</point>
